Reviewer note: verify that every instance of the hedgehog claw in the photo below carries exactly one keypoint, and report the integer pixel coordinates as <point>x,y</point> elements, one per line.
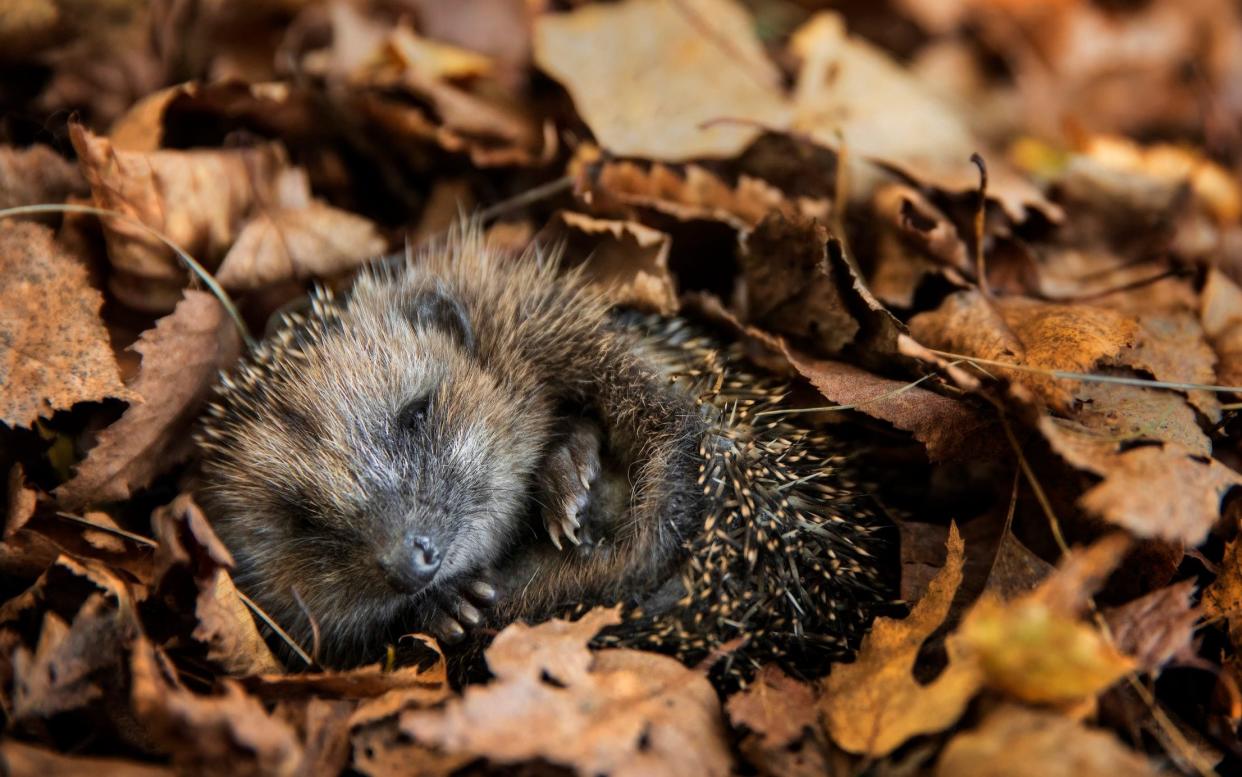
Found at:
<point>565,483</point>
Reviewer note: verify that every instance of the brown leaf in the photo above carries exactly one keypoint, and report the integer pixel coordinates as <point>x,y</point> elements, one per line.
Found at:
<point>22,760</point>
<point>684,192</point>
<point>54,350</point>
<point>627,258</point>
<point>188,548</point>
<point>1155,629</point>
<point>37,175</point>
<point>22,501</point>
<point>1165,490</point>
<point>1221,314</point>
<point>197,199</point>
<point>949,429</point>
<point>301,238</point>
<point>775,706</point>
<point>1015,741</point>
<point>409,684</point>
<point>61,674</point>
<point>181,357</point>
<point>875,704</point>
<point>1029,333</point>
<point>845,91</point>
<point>686,65</point>
<point>224,734</point>
<point>619,712</point>
<point>791,287</point>
<point>1223,597</point>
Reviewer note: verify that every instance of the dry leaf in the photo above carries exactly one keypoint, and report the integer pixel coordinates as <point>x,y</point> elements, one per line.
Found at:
<point>181,358</point>
<point>209,734</point>
<point>659,717</point>
<point>1035,647</point>
<point>846,90</point>
<point>1017,742</point>
<point>54,350</point>
<point>197,199</point>
<point>37,175</point>
<point>1156,628</point>
<point>1026,332</point>
<point>1221,314</point>
<point>690,81</point>
<point>875,704</point>
<point>949,429</point>
<point>775,706</point>
<point>791,287</point>
<point>301,238</point>
<point>189,548</point>
<point>1162,490</point>
<point>21,760</point>
<point>62,673</point>
<point>21,502</point>
<point>628,259</point>
<point>1223,598</point>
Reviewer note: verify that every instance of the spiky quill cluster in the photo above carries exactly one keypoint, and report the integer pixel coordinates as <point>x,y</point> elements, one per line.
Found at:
<point>785,567</point>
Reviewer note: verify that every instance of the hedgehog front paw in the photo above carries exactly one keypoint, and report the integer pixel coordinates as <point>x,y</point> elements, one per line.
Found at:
<point>565,482</point>
<point>458,610</point>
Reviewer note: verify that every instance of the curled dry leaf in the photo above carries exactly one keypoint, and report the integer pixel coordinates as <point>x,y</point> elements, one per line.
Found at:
<point>1221,314</point>
<point>62,673</point>
<point>208,734</point>
<point>1015,741</point>
<point>198,199</point>
<point>619,712</point>
<point>791,287</point>
<point>1223,598</point>
<point>54,350</point>
<point>188,548</point>
<point>875,704</point>
<point>181,357</point>
<point>692,80</point>
<point>628,259</point>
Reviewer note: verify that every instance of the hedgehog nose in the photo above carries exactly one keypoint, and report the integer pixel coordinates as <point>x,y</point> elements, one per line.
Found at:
<point>411,566</point>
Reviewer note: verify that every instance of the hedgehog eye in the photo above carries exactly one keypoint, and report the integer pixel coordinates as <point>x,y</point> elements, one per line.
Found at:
<point>414,414</point>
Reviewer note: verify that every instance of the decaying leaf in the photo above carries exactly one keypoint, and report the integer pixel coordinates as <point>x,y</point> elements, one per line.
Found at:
<point>1157,628</point>
<point>54,350</point>
<point>1223,598</point>
<point>209,734</point>
<point>181,358</point>
<point>628,259</point>
<point>188,548</point>
<point>20,760</point>
<point>661,717</point>
<point>691,82</point>
<point>875,704</point>
<point>1035,647</point>
<point>1023,742</point>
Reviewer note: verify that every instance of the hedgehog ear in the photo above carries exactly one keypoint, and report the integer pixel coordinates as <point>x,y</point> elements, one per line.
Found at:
<point>439,309</point>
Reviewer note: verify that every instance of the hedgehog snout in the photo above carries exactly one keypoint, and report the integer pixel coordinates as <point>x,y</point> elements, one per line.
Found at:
<point>410,565</point>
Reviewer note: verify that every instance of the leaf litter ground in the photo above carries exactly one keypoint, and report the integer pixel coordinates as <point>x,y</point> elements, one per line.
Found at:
<point>1047,367</point>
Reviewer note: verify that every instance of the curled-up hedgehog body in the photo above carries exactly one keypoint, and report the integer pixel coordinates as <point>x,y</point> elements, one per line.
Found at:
<point>470,439</point>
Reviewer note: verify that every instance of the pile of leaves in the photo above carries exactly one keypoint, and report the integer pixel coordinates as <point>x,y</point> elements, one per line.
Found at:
<point>1048,357</point>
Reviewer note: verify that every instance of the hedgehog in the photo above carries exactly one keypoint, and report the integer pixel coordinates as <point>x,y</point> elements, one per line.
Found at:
<point>467,438</point>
